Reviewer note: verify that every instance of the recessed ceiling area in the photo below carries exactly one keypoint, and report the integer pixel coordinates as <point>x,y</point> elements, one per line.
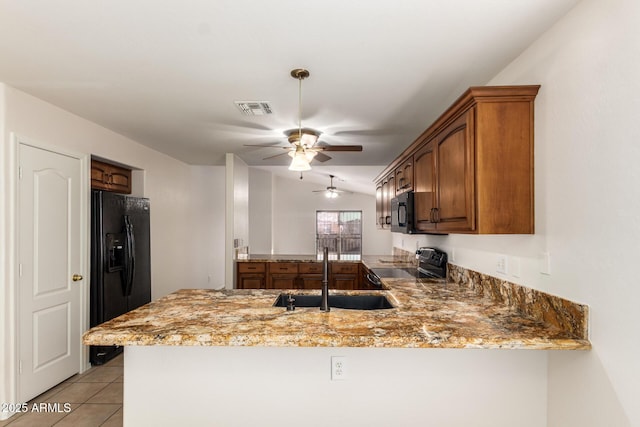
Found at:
<point>168,74</point>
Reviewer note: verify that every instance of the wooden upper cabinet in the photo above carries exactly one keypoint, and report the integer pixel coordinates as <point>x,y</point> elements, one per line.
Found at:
<point>108,177</point>
<point>388,192</point>
<point>424,200</point>
<point>404,176</point>
<point>455,209</point>
<point>473,167</point>
<point>379,206</point>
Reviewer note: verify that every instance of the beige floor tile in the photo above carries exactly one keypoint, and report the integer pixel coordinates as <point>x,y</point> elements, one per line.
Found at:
<point>114,420</point>
<point>110,394</point>
<point>116,361</point>
<point>103,374</point>
<point>77,377</point>
<point>50,393</point>
<point>41,419</point>
<point>89,415</point>
<point>77,392</point>
<point>10,420</point>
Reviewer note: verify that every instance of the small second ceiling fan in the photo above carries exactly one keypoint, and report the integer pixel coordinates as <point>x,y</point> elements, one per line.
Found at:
<point>304,146</point>
<point>331,192</point>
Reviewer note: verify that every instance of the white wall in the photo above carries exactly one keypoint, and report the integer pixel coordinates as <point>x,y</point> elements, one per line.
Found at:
<point>273,387</point>
<point>294,217</point>
<point>587,204</point>
<point>208,212</point>
<point>237,211</point>
<point>260,211</point>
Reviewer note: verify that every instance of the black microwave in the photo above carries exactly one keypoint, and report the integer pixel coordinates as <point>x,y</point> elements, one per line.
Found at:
<point>402,213</point>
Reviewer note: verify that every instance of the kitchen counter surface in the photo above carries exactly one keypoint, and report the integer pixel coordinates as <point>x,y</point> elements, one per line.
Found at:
<point>427,313</point>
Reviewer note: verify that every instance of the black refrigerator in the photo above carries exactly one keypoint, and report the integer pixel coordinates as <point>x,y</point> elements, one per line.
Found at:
<point>120,261</point>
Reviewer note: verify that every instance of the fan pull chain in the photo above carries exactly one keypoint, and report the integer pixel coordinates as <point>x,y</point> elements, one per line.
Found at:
<point>300,109</point>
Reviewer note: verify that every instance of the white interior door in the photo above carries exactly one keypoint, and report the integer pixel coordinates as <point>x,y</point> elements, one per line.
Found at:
<point>49,255</point>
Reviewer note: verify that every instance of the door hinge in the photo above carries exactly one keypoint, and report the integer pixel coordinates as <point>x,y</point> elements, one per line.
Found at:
<point>20,367</point>
<point>20,172</point>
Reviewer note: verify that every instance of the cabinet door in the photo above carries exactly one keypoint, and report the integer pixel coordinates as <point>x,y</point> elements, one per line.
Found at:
<point>391,179</point>
<point>424,163</point>
<point>455,209</point>
<point>344,282</point>
<point>283,281</point>
<point>105,176</point>
<point>404,176</point>
<point>251,281</point>
<point>379,206</point>
<point>386,204</point>
<point>310,281</point>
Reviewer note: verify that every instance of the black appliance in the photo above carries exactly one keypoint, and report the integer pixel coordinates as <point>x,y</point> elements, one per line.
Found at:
<point>402,213</point>
<point>432,264</point>
<point>120,261</point>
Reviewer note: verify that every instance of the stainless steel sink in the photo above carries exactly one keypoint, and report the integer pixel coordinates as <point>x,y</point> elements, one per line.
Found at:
<point>349,302</point>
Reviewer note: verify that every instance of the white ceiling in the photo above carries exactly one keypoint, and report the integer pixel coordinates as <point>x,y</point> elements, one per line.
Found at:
<point>166,73</point>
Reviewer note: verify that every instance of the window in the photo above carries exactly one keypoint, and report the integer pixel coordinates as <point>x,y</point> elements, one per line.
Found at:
<point>341,232</point>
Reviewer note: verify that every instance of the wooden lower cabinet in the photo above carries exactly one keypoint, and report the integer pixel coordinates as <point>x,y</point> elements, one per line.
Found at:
<point>251,281</point>
<point>310,281</point>
<point>282,275</point>
<point>251,275</point>
<point>296,275</point>
<point>344,276</point>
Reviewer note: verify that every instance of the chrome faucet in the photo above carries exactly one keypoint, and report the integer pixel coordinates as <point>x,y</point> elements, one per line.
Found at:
<point>324,303</point>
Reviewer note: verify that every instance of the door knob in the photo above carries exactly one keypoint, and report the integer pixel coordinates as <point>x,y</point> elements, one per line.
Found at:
<point>76,277</point>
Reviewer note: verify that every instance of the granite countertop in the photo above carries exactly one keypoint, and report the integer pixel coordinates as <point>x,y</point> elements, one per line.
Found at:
<point>428,313</point>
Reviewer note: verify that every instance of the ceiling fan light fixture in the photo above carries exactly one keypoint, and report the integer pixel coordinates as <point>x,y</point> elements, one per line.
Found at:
<point>299,163</point>
<point>330,194</point>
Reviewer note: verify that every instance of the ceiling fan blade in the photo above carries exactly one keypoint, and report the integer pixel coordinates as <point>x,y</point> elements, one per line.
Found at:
<point>338,147</point>
<point>321,157</point>
<point>274,156</point>
<point>266,146</point>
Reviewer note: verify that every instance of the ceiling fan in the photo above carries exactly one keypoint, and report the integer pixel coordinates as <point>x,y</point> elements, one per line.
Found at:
<point>331,192</point>
<point>304,146</point>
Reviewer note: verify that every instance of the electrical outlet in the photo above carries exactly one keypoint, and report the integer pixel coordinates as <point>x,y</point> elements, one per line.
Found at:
<point>453,254</point>
<point>338,368</point>
<point>501,264</point>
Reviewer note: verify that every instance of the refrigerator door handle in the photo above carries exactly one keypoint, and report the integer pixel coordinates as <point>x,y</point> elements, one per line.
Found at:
<point>130,266</point>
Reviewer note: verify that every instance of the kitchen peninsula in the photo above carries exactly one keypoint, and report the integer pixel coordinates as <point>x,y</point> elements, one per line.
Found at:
<point>231,358</point>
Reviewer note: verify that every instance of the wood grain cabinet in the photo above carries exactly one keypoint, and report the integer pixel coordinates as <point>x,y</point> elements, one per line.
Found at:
<point>473,167</point>
<point>283,275</point>
<point>310,275</point>
<point>251,275</point>
<point>108,177</point>
<point>404,176</point>
<point>295,275</point>
<point>344,276</point>
<point>444,195</point>
<point>385,191</point>
<point>379,206</point>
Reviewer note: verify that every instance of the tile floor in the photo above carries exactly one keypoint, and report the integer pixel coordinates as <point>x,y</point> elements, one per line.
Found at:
<point>95,399</point>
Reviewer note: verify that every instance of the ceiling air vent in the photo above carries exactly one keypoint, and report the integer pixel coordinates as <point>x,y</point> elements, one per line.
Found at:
<point>254,108</point>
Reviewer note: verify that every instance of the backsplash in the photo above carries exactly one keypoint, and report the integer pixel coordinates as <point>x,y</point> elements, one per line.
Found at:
<point>404,256</point>
<point>564,314</point>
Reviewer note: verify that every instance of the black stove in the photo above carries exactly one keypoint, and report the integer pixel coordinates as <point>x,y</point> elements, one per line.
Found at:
<point>432,263</point>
